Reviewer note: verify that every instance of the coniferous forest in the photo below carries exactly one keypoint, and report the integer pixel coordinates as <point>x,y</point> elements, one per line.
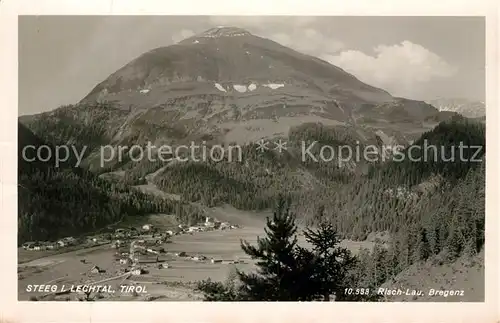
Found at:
<point>54,202</point>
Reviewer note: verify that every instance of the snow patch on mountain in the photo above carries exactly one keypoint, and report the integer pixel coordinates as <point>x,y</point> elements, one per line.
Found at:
<point>274,86</point>
<point>240,88</point>
<point>220,87</point>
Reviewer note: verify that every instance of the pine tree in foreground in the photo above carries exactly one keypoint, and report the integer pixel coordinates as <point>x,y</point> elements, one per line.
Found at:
<point>331,263</point>
<point>278,277</point>
<point>288,272</point>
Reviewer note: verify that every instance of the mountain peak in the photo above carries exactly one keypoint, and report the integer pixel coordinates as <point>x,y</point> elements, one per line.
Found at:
<point>224,31</point>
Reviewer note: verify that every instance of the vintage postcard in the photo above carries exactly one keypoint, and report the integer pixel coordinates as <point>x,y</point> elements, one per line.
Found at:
<point>263,157</point>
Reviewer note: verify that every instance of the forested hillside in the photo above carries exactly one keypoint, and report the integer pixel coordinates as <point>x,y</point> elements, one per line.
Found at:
<point>426,207</point>
<point>402,197</point>
<point>55,202</point>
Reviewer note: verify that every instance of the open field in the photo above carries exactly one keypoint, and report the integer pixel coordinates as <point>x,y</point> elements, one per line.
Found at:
<point>173,283</point>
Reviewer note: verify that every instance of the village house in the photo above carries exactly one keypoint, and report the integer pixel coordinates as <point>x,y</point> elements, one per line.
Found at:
<point>37,246</point>
<point>198,258</point>
<point>150,250</point>
<point>29,245</point>
<point>147,227</point>
<point>50,245</point>
<point>147,259</point>
<point>194,229</point>
<point>68,241</point>
<point>209,222</point>
<point>137,271</point>
<point>208,225</point>
<point>125,261</point>
<point>95,270</point>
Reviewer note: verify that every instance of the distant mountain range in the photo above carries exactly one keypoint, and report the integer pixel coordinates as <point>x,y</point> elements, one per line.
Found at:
<point>467,108</point>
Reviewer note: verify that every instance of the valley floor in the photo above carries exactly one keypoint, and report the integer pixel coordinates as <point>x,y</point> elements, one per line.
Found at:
<point>173,283</point>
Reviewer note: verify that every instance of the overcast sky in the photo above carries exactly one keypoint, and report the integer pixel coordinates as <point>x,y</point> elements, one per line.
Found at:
<point>61,58</point>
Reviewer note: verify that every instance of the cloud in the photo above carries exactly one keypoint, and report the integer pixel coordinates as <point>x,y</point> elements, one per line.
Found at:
<point>291,31</point>
<point>309,41</point>
<point>401,68</point>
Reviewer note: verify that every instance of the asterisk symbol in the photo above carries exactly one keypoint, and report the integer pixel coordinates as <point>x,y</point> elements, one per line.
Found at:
<point>262,145</point>
<point>280,146</point>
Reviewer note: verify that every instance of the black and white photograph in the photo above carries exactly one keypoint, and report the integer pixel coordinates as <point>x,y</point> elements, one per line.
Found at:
<point>251,158</point>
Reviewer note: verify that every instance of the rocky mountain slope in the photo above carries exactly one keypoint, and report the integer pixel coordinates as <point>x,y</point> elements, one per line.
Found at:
<point>227,85</point>
<point>239,87</point>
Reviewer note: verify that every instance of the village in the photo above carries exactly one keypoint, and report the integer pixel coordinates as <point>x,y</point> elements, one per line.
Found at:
<point>148,259</point>
<point>137,252</point>
<point>147,234</point>
<point>134,251</point>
